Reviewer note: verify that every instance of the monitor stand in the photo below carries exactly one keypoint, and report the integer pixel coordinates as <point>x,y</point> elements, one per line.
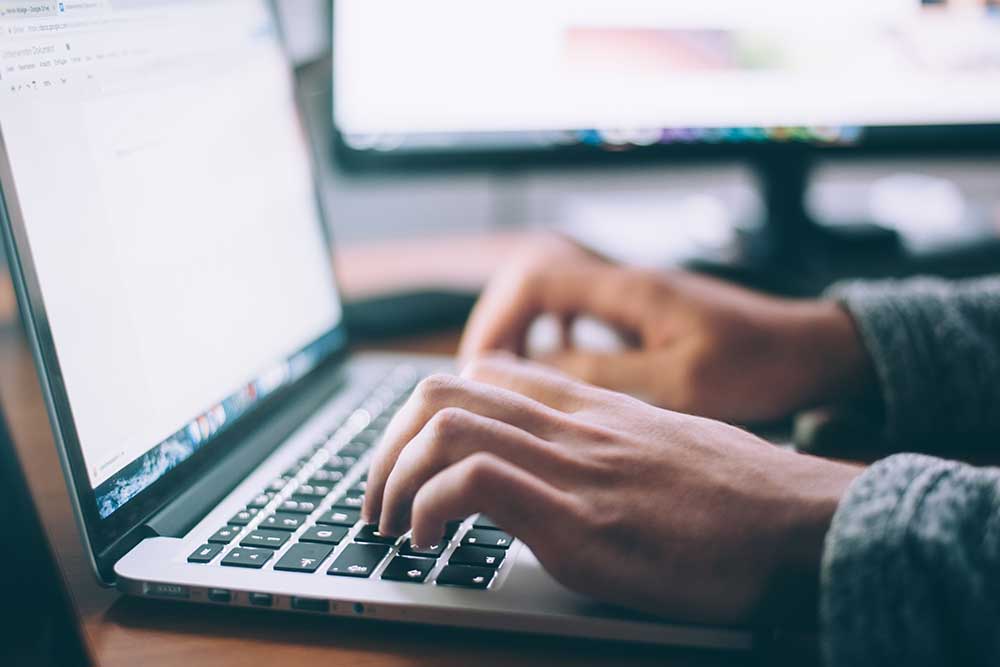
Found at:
<point>791,252</point>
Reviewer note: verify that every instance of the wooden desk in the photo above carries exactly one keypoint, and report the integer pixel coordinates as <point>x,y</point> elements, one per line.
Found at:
<point>129,632</point>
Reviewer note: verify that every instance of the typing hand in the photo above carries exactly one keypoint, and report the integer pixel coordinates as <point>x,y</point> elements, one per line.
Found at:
<point>701,346</point>
<point>631,504</point>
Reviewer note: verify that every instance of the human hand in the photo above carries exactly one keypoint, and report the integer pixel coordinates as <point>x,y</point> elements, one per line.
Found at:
<point>634,505</point>
<point>702,346</point>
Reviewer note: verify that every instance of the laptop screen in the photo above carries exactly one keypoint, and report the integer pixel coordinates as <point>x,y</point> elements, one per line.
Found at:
<point>159,167</point>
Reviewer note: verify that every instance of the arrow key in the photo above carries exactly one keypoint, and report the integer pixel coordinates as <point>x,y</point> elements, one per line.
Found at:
<point>482,537</point>
<point>465,576</point>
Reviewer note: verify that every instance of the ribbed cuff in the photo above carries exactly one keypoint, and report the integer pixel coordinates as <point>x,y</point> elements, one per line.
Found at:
<point>935,347</point>
<point>909,567</point>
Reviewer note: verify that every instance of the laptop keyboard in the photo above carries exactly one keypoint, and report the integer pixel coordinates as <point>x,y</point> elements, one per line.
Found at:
<point>310,513</point>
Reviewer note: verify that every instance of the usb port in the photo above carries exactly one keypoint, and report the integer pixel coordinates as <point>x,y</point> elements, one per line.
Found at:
<point>310,604</point>
<point>261,599</point>
<point>219,595</point>
<point>168,591</point>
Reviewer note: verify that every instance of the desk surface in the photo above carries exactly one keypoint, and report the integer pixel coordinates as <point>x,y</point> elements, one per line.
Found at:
<point>126,631</point>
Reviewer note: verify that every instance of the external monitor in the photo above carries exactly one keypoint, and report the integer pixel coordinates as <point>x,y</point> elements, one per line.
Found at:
<point>518,82</point>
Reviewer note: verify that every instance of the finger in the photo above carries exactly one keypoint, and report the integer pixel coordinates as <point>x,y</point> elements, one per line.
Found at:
<point>513,497</point>
<point>544,384</point>
<point>443,391</point>
<point>452,435</point>
<point>630,371</point>
<point>501,318</point>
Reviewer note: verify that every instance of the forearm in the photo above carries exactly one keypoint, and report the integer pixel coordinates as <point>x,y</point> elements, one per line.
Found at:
<point>911,567</point>
<point>935,348</point>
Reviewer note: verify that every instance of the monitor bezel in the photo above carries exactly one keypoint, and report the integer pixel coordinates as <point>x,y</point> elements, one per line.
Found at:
<point>876,142</point>
<point>106,539</point>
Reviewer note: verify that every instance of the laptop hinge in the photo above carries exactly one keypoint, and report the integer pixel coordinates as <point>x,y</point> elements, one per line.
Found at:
<point>182,513</point>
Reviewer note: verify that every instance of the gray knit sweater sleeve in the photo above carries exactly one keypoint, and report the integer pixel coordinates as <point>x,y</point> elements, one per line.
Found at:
<point>935,346</point>
<point>911,565</point>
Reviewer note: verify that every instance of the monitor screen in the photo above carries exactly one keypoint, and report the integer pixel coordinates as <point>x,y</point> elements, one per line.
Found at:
<point>512,74</point>
<point>153,153</point>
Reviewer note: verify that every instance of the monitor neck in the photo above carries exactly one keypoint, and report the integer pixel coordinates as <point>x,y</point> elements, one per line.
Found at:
<point>783,181</point>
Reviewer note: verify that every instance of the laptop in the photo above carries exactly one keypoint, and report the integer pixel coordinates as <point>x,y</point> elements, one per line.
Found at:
<point>172,265</point>
<point>45,631</point>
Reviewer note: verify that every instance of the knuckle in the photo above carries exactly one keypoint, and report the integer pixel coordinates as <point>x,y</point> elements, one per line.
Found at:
<point>480,469</point>
<point>447,423</point>
<point>435,388</point>
<point>525,279</point>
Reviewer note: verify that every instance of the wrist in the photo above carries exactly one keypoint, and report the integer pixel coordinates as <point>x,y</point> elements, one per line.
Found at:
<point>814,490</point>
<point>835,365</point>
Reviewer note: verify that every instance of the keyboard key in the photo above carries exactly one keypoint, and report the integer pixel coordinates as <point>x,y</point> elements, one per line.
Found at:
<point>402,568</point>
<point>359,487</point>
<point>224,535</point>
<point>269,539</point>
<point>325,534</point>
<point>354,449</point>
<point>205,553</point>
<point>303,558</point>
<point>297,506</point>
<point>243,517</point>
<point>283,521</point>
<point>324,476</point>
<point>260,500</point>
<point>340,517</point>
<point>307,491</point>
<point>465,576</point>
<point>245,557</point>
<point>451,528</point>
<point>339,463</point>
<point>277,484</point>
<point>296,468</point>
<point>477,556</point>
<point>358,560</point>
<point>350,500</point>
<point>407,549</point>
<point>483,521</point>
<point>370,435</point>
<point>369,534</point>
<point>480,537</point>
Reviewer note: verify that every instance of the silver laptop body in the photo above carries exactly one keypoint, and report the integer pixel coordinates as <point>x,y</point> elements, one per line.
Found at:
<point>168,247</point>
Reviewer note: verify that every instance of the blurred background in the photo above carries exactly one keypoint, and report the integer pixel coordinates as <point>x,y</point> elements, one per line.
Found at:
<point>782,144</point>
<point>421,201</point>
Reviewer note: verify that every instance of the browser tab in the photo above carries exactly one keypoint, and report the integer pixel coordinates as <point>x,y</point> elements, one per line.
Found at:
<point>28,10</point>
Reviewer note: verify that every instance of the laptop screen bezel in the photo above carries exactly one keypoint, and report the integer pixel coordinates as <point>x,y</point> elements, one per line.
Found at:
<point>100,534</point>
